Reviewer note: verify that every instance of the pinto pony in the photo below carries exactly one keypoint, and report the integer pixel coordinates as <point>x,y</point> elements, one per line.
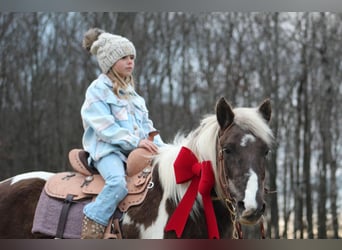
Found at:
<point>225,157</point>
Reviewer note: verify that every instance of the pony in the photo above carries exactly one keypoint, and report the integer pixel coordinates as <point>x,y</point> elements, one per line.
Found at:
<point>231,145</point>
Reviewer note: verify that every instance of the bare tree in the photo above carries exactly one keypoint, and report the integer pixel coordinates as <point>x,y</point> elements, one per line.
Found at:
<point>307,137</point>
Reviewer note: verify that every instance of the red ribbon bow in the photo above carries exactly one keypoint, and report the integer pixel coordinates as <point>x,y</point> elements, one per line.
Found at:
<point>186,168</point>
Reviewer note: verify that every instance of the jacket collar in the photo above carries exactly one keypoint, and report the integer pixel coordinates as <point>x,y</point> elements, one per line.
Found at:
<point>106,80</point>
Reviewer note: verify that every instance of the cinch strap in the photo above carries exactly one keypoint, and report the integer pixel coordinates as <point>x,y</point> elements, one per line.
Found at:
<point>64,216</point>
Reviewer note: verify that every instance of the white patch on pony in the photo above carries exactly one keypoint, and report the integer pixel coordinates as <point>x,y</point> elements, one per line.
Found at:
<point>30,175</point>
<point>246,139</point>
<point>251,190</point>
<point>156,230</point>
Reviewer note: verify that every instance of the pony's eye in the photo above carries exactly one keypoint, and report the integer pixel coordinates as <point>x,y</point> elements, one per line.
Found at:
<point>227,150</point>
<point>267,151</point>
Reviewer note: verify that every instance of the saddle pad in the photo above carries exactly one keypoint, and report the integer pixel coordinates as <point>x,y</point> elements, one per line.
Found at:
<point>47,214</point>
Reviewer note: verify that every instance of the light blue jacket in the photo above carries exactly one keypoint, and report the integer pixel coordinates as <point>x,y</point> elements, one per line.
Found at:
<point>113,124</point>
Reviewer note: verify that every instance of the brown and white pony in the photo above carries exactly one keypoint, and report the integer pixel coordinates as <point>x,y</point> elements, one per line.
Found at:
<point>235,142</point>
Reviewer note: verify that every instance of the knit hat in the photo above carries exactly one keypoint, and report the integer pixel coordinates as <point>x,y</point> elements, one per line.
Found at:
<point>109,48</point>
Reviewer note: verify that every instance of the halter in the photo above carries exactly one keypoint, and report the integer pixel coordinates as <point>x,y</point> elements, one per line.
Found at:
<point>228,200</point>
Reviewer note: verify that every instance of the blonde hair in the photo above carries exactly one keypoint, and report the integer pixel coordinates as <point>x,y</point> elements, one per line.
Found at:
<point>120,83</point>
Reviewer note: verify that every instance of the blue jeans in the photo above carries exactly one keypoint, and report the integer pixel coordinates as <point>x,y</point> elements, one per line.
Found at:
<point>111,168</point>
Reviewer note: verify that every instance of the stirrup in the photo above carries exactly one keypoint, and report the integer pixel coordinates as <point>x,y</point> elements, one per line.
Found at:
<point>113,230</point>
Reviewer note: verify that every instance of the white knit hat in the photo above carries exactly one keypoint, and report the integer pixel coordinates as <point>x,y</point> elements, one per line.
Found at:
<point>109,48</point>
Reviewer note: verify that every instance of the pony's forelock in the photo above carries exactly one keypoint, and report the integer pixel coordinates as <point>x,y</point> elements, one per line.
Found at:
<point>252,120</point>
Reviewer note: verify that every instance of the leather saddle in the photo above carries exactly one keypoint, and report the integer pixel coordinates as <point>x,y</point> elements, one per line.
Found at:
<point>86,183</point>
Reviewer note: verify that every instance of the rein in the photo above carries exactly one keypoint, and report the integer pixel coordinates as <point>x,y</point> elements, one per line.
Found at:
<point>228,200</point>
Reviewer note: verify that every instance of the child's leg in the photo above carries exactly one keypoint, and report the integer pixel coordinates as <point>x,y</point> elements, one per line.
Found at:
<point>112,170</point>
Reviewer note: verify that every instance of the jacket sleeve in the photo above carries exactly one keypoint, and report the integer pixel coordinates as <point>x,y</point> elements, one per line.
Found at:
<point>96,114</point>
<point>148,127</point>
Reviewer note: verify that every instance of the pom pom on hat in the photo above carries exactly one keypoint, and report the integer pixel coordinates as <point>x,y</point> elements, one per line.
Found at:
<point>109,48</point>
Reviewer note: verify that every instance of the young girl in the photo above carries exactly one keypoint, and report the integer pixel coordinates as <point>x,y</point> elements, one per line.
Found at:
<point>115,121</point>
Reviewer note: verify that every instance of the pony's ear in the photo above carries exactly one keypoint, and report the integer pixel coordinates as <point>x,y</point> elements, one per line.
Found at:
<point>224,113</point>
<point>265,109</point>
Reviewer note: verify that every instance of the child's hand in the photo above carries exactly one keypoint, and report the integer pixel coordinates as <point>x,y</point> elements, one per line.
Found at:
<point>149,145</point>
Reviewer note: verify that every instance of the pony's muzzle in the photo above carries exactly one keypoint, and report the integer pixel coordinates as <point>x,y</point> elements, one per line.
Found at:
<point>250,215</point>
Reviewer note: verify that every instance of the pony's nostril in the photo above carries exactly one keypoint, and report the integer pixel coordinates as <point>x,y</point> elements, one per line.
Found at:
<point>241,205</point>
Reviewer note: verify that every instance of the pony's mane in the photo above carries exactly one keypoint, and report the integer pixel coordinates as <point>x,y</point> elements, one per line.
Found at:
<point>202,141</point>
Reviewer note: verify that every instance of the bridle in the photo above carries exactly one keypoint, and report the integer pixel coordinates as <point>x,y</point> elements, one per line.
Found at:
<point>224,186</point>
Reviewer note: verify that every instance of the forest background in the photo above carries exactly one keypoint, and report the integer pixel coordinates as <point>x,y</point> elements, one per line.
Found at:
<point>185,62</point>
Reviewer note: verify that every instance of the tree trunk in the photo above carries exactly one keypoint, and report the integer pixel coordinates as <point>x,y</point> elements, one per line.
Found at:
<point>325,132</point>
<point>298,219</point>
<point>307,136</point>
<point>273,171</point>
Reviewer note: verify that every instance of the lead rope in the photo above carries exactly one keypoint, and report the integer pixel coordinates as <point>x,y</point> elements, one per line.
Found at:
<point>237,233</point>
